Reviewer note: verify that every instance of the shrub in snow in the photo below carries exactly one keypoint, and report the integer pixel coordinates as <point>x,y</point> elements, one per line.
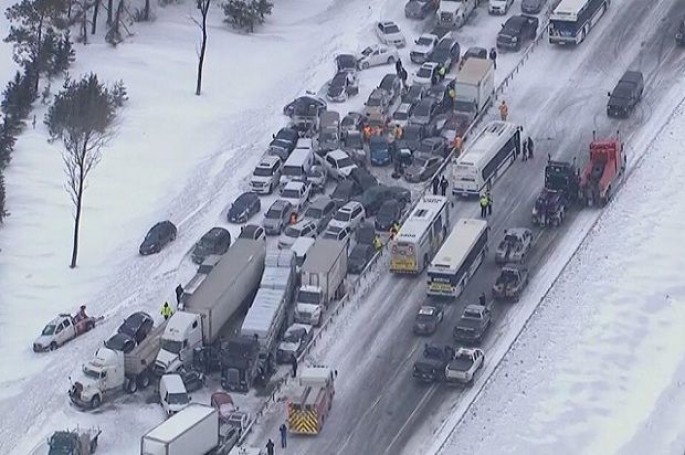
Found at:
<point>17,99</point>
<point>245,14</point>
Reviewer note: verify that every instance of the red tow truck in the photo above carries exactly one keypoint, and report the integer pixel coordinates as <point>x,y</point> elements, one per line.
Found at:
<point>603,172</point>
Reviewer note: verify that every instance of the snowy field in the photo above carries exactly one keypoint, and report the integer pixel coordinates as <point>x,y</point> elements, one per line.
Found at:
<point>600,366</point>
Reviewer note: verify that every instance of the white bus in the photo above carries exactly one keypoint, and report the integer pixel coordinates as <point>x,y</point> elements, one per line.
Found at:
<point>420,236</point>
<point>489,155</point>
<point>458,259</point>
<point>572,20</point>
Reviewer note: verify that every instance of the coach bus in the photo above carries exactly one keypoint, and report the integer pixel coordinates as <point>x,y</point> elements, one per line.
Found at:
<point>572,20</point>
<point>420,236</point>
<point>458,259</point>
<point>489,155</point>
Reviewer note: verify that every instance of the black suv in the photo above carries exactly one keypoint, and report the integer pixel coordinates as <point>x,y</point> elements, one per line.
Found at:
<point>215,241</point>
<point>446,53</point>
<point>626,94</point>
<point>517,30</point>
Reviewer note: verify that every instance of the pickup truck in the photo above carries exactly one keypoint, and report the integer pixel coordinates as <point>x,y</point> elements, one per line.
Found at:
<point>511,282</point>
<point>430,367</point>
<point>473,324</point>
<point>626,94</point>
<point>462,369</point>
<point>62,329</point>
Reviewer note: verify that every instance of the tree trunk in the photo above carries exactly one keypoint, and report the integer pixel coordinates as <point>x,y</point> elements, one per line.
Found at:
<point>110,5</point>
<point>146,13</point>
<point>77,218</point>
<point>84,23</point>
<point>204,9</point>
<point>39,55</point>
<point>96,10</point>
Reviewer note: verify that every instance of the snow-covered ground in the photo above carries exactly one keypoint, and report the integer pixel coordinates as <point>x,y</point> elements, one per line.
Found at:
<point>600,367</point>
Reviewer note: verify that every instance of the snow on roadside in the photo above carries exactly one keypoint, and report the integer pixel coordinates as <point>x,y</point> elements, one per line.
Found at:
<point>599,367</point>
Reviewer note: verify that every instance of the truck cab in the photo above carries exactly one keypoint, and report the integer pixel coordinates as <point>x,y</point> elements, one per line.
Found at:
<point>309,306</point>
<point>453,13</point>
<point>98,377</point>
<point>183,333</point>
<point>240,364</point>
<point>430,367</point>
<point>172,394</point>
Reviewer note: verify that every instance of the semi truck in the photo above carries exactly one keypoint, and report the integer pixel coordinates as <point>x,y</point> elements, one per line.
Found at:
<point>452,14</point>
<point>227,289</point>
<point>322,279</point>
<point>252,354</point>
<point>111,372</point>
<point>475,86</point>
<point>195,430</point>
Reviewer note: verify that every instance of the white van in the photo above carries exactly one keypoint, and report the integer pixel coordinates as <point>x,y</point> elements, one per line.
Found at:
<point>300,248</point>
<point>298,164</point>
<point>172,394</point>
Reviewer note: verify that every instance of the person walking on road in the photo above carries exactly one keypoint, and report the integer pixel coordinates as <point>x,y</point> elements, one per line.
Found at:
<point>284,435</point>
<point>524,150</point>
<point>493,56</point>
<point>503,111</point>
<point>483,206</point>
<point>443,186</point>
<point>481,299</point>
<point>487,195</point>
<point>179,294</point>
<point>530,148</point>
<point>166,311</point>
<point>435,183</point>
<point>403,76</point>
<point>399,68</point>
<point>294,365</point>
<point>270,447</point>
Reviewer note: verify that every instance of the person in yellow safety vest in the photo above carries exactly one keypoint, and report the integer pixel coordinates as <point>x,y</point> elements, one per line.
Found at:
<point>166,311</point>
<point>377,242</point>
<point>484,201</point>
<point>503,111</point>
<point>442,71</point>
<point>453,97</point>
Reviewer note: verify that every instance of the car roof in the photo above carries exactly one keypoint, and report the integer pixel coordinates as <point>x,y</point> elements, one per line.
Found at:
<point>350,206</point>
<point>280,204</point>
<point>250,229</point>
<point>386,23</point>
<point>475,308</point>
<point>268,161</point>
<point>302,224</point>
<point>633,76</point>
<point>246,196</point>
<point>320,202</point>
<point>446,42</point>
<point>430,65</point>
<point>428,310</point>
<point>294,185</point>
<point>337,154</point>
<point>429,35</point>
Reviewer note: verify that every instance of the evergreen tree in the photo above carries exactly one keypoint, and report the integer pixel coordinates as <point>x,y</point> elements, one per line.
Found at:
<point>64,55</point>
<point>7,141</point>
<point>245,14</point>
<point>3,211</point>
<point>118,94</point>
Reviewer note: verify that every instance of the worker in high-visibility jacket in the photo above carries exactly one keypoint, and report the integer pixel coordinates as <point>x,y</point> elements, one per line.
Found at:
<point>457,144</point>
<point>377,242</point>
<point>166,311</point>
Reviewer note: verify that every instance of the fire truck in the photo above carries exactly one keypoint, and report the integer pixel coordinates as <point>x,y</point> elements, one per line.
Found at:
<point>602,174</point>
<point>311,403</point>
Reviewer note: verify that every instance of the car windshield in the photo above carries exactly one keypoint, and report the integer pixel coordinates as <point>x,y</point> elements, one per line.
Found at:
<point>292,232</point>
<point>49,330</point>
<point>291,194</point>
<point>424,317</point>
<point>422,110</point>
<point>424,148</point>
<point>368,51</point>
<point>263,172</point>
<point>339,80</point>
<point>622,91</point>
<point>343,216</point>
<point>471,314</point>
<point>308,297</point>
<point>374,101</point>
<point>511,238</point>
<point>152,235</point>
<point>346,61</point>
<point>348,121</point>
<point>386,210</point>
<point>172,346</point>
<point>424,72</point>
<point>313,212</point>
<point>328,136</point>
<point>93,374</point>
<point>511,28</point>
<point>178,398</point>
<point>424,41</point>
<point>411,134</point>
<point>294,336</point>
<point>392,29</point>
<point>401,115</point>
<point>344,162</point>
<point>354,141</point>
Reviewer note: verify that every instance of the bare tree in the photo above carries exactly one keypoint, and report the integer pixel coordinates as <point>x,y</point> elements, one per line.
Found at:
<point>82,116</point>
<point>203,6</point>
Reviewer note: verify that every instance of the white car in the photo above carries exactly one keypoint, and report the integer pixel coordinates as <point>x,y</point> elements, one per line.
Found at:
<point>266,175</point>
<point>339,164</point>
<point>341,233</point>
<point>292,232</point>
<point>349,215</point>
<point>426,74</point>
<point>422,48</point>
<point>389,33</point>
<point>401,116</point>
<point>297,193</point>
<point>499,6</point>
<point>377,55</point>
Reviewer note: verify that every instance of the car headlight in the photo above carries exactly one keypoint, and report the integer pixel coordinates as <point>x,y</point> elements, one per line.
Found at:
<point>515,39</point>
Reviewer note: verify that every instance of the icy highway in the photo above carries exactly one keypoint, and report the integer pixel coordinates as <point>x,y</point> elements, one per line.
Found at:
<point>559,95</point>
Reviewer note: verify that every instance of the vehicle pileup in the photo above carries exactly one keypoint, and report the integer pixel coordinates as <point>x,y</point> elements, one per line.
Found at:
<point>603,172</point>
<point>562,183</point>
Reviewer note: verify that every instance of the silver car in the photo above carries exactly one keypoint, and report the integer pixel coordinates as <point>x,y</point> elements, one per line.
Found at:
<point>515,245</point>
<point>320,211</point>
<point>532,6</point>
<point>276,218</point>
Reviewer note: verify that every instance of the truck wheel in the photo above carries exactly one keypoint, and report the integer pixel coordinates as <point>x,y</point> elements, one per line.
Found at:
<point>95,402</point>
<point>131,386</point>
<point>53,345</point>
<point>143,380</point>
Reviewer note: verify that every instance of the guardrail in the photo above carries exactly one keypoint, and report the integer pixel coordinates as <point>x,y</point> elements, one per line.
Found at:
<point>359,286</point>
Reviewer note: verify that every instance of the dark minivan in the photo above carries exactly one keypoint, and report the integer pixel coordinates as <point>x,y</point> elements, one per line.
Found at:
<point>626,94</point>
